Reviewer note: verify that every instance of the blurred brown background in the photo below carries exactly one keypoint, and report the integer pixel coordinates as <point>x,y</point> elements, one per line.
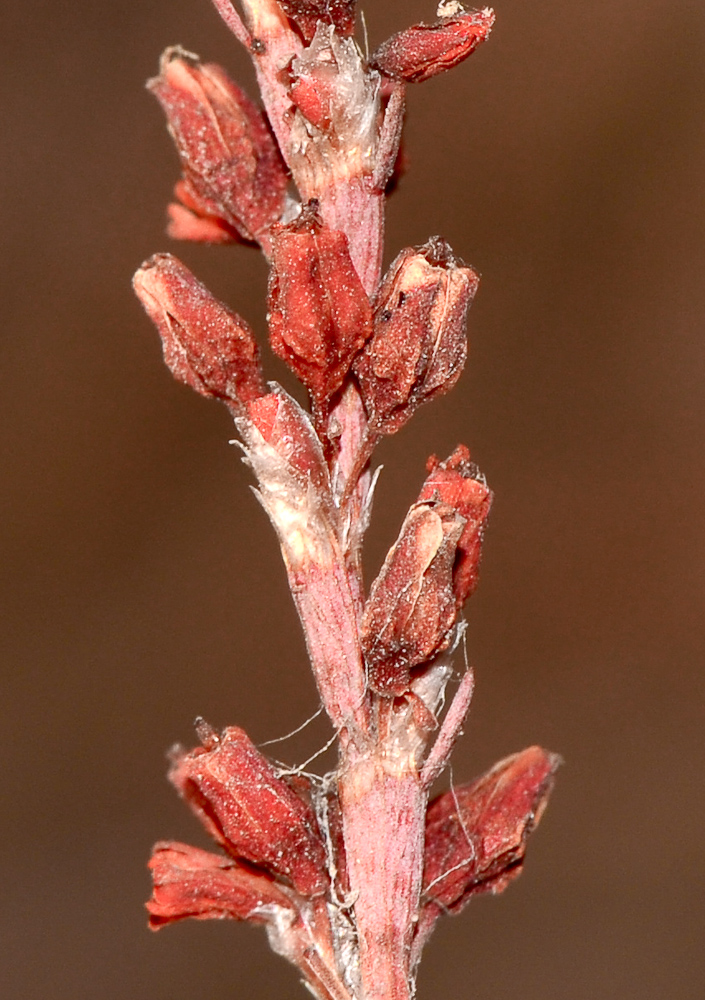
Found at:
<point>142,584</point>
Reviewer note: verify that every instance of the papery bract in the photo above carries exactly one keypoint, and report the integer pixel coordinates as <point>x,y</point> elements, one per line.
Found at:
<point>286,428</point>
<point>293,485</point>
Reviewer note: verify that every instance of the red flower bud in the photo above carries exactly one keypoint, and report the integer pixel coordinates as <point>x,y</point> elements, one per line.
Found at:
<point>189,882</point>
<point>476,834</point>
<point>319,314</point>
<point>250,811</point>
<point>458,484</point>
<point>418,348</point>
<point>305,15</point>
<point>411,606</point>
<point>424,50</point>
<point>206,345</point>
<point>314,94</point>
<point>231,163</point>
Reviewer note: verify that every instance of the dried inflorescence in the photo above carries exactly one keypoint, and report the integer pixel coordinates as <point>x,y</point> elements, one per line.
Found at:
<point>348,872</point>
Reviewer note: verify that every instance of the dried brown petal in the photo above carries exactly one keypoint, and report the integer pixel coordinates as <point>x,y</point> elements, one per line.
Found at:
<point>305,15</point>
<point>418,348</point>
<point>229,157</point>
<point>411,606</point>
<point>189,882</point>
<point>424,50</point>
<point>251,812</point>
<point>458,483</point>
<point>319,314</point>
<point>193,218</point>
<point>476,834</point>
<point>206,344</point>
<point>185,224</point>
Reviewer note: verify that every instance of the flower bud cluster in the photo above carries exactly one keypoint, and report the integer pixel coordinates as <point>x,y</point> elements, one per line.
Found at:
<point>277,846</point>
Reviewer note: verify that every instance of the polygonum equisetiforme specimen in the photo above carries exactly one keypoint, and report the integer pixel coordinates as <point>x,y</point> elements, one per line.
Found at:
<point>348,872</point>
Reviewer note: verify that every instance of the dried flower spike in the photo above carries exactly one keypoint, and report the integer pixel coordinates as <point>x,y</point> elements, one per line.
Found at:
<point>348,871</point>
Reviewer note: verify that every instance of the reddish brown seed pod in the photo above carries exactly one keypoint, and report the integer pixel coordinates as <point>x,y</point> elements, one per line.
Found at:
<point>419,346</point>
<point>252,812</point>
<point>458,483</point>
<point>476,834</point>
<point>189,882</point>
<point>233,170</point>
<point>206,344</point>
<point>319,314</point>
<point>411,607</point>
<point>422,51</point>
